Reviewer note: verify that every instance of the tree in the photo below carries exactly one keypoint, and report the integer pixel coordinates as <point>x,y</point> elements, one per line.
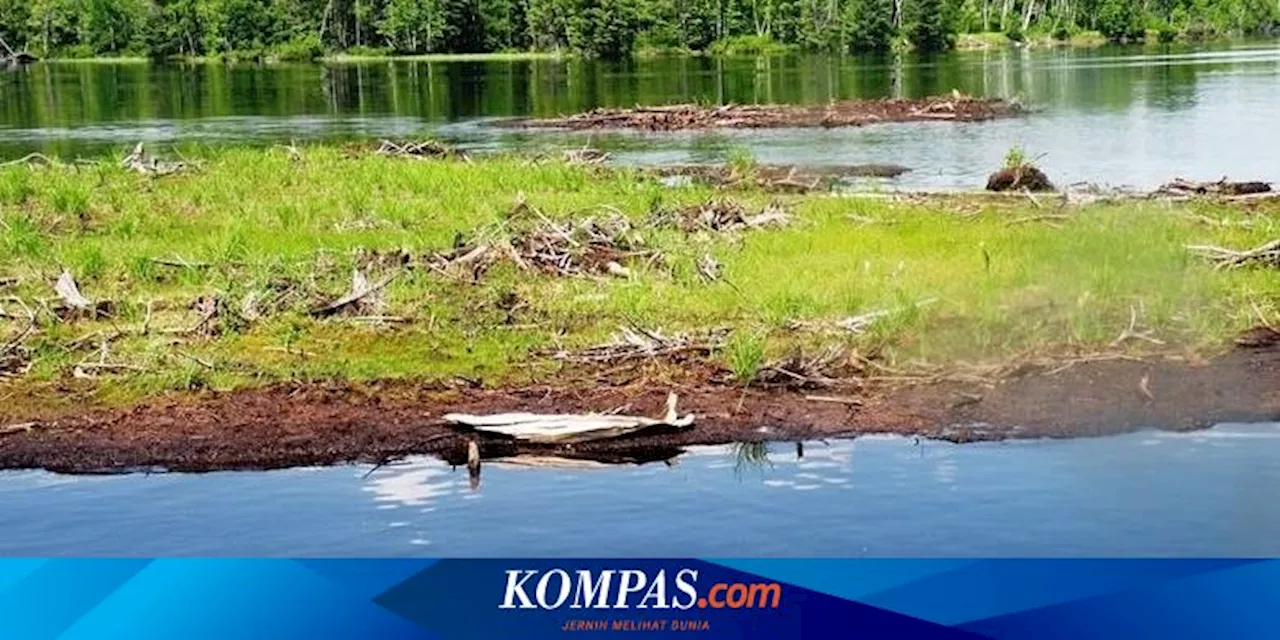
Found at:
<point>414,26</point>
<point>869,25</point>
<point>927,25</point>
<point>238,25</point>
<point>1120,19</point>
<point>603,28</point>
<point>111,26</point>
<point>463,26</point>
<point>547,22</point>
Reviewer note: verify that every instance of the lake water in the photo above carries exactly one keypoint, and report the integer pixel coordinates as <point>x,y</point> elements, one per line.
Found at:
<point>1116,116</point>
<point>1208,493</point>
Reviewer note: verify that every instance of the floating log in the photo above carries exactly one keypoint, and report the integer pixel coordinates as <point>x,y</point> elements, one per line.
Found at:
<point>568,428</point>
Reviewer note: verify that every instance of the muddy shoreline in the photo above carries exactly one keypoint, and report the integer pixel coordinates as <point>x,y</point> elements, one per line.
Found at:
<point>294,425</point>
<point>849,113</point>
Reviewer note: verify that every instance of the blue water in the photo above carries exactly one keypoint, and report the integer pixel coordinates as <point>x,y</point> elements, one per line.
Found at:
<point>1209,493</point>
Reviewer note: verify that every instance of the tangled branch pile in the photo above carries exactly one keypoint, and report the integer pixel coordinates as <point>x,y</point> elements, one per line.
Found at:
<point>591,246</point>
<point>829,367</point>
<point>854,113</point>
<point>424,150</point>
<point>722,216</point>
<point>1266,255</point>
<point>637,343</point>
<point>139,161</point>
<point>1184,187</point>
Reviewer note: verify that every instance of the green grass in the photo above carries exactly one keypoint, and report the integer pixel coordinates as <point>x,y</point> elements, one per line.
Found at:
<point>251,222</point>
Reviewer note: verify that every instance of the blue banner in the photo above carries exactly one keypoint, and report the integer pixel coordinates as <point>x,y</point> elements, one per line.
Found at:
<point>511,598</point>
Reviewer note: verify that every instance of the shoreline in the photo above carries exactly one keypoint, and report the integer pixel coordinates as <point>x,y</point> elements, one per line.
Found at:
<point>294,425</point>
<point>313,305</point>
<point>965,43</point>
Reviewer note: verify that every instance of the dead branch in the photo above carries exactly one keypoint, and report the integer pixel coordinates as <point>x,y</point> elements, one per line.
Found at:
<point>139,161</point>
<point>637,343</point>
<point>1264,255</point>
<point>360,289</point>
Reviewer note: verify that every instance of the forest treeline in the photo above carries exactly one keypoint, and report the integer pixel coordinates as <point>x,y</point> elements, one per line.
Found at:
<point>606,28</point>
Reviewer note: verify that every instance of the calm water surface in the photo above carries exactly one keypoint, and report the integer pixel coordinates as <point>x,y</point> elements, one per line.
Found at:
<point>1119,116</point>
<point>1211,493</point>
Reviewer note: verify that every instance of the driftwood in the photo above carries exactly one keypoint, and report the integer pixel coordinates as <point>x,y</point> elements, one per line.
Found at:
<point>139,161</point>
<point>1267,255</point>
<point>360,289</point>
<point>76,303</point>
<point>70,293</point>
<point>21,427</point>
<point>568,428</point>
<point>1221,187</point>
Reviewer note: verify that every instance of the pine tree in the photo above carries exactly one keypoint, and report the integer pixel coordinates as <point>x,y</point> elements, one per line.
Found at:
<point>463,30</point>
<point>927,25</point>
<point>603,28</point>
<point>869,25</point>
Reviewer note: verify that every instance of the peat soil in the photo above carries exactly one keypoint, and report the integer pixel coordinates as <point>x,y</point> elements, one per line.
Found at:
<point>293,425</point>
<point>849,113</point>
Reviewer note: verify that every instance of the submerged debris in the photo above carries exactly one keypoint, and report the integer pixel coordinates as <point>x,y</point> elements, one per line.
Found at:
<point>957,107</point>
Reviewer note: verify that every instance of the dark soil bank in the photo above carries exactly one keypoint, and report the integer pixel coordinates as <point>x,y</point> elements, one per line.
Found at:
<point>303,425</point>
<point>852,113</point>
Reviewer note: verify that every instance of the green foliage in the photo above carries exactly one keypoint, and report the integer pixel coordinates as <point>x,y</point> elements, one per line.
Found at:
<point>1120,19</point>
<point>603,28</point>
<point>1015,157</point>
<point>871,25</point>
<point>928,29</point>
<point>301,49</point>
<point>303,29</point>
